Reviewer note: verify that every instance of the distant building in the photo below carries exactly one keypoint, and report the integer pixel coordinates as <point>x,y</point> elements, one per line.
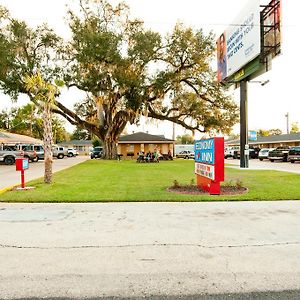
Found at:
<point>7,138</point>
<point>82,146</point>
<point>272,141</point>
<point>130,145</point>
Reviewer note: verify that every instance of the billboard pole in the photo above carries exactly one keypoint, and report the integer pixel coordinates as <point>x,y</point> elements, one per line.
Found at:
<point>244,147</point>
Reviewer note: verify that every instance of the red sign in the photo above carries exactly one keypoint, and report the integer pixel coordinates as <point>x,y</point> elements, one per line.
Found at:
<point>21,165</point>
<point>209,164</point>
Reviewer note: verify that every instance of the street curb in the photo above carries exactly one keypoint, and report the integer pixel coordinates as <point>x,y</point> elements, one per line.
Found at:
<point>8,188</point>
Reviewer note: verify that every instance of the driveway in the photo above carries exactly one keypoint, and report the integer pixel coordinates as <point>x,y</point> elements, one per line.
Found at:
<point>255,164</point>
<point>85,251</point>
<point>10,177</point>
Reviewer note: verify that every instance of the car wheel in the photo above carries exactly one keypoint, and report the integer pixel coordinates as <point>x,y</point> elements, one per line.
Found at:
<point>261,159</point>
<point>9,160</point>
<point>70,154</point>
<point>60,156</point>
<point>271,160</point>
<point>292,161</point>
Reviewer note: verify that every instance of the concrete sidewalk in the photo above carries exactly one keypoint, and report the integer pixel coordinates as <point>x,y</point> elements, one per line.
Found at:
<point>148,249</point>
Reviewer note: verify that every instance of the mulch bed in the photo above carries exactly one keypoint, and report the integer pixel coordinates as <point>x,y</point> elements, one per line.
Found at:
<point>194,190</point>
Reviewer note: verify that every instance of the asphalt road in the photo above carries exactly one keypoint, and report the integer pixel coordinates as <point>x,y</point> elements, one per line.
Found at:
<point>244,250</point>
<point>10,177</point>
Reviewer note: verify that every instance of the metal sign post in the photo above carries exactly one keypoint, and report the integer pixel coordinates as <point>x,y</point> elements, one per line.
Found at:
<point>244,147</point>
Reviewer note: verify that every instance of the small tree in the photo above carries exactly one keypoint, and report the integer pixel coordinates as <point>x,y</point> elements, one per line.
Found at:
<point>275,131</point>
<point>43,93</point>
<point>184,139</point>
<point>263,132</point>
<point>294,127</point>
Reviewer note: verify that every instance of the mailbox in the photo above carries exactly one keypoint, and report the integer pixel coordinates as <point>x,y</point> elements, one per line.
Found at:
<point>22,164</point>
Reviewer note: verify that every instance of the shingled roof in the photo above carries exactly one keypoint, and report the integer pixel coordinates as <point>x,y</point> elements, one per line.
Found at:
<point>139,137</point>
<point>282,138</point>
<point>12,138</point>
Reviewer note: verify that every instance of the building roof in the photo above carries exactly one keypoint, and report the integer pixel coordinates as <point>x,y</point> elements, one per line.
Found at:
<point>12,138</point>
<point>139,137</point>
<point>282,138</point>
<point>77,143</point>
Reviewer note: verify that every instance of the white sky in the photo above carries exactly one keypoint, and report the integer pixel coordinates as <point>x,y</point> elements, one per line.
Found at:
<point>267,104</point>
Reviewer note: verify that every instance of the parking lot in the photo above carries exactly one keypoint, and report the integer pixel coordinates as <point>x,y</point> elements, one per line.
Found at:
<point>10,177</point>
<point>255,164</point>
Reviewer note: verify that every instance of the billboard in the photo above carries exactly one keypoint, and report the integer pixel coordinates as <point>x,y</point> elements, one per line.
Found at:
<point>240,43</point>
<point>271,19</point>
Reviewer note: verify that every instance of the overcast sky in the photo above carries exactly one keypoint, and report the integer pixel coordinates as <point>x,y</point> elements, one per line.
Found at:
<point>267,104</point>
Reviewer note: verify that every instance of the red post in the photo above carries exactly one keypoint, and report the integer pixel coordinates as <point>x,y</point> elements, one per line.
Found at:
<point>22,179</point>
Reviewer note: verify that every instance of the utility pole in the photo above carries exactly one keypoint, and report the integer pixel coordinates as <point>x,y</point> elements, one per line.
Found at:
<point>244,147</point>
<point>287,123</point>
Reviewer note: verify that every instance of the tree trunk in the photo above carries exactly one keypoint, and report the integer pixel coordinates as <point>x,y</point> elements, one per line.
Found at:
<point>110,149</point>
<point>48,141</point>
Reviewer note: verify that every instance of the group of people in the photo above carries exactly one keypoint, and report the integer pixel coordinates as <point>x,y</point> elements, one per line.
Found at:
<point>154,156</point>
<point>149,156</point>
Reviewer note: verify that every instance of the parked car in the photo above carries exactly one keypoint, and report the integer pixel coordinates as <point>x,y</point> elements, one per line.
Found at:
<point>29,152</point>
<point>231,152</point>
<point>8,156</point>
<point>72,152</point>
<point>253,152</point>
<point>96,152</point>
<point>294,154</point>
<point>59,152</point>
<point>264,153</point>
<point>186,154</point>
<point>279,153</point>
<point>39,149</point>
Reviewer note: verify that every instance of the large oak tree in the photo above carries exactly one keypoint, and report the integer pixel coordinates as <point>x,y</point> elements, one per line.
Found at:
<point>128,72</point>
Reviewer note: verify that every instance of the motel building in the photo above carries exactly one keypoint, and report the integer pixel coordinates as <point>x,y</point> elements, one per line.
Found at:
<point>272,141</point>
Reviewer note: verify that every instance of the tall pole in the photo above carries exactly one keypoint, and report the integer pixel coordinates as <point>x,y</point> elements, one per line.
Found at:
<point>244,147</point>
<point>287,123</point>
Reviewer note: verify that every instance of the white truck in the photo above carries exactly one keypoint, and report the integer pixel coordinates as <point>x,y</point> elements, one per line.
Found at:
<point>231,152</point>
<point>183,147</point>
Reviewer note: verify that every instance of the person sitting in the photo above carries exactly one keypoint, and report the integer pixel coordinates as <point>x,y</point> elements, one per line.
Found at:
<point>148,156</point>
<point>156,156</point>
<point>170,157</point>
<point>140,157</point>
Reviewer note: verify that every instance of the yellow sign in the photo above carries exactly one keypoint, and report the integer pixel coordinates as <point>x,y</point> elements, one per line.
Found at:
<point>239,74</point>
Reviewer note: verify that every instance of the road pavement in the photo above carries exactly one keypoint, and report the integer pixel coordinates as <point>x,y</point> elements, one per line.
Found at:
<point>221,250</point>
<point>10,177</point>
<point>255,164</point>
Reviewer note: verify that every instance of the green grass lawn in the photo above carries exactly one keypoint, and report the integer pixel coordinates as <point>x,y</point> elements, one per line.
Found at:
<point>102,181</point>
